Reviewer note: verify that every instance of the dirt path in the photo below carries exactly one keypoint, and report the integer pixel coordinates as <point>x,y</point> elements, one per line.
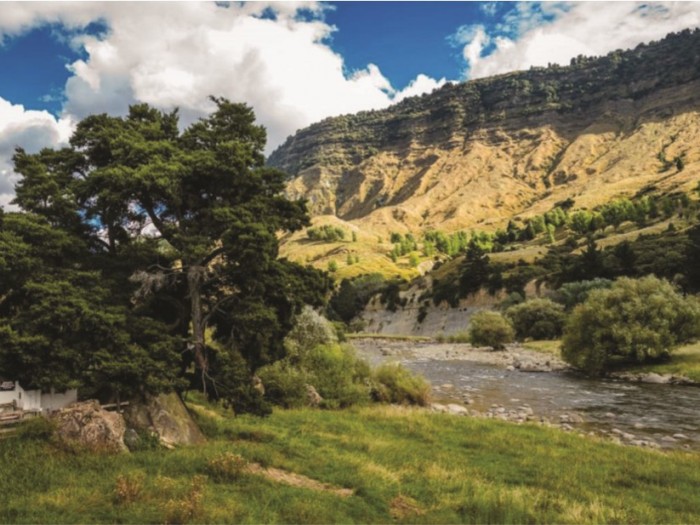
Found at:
<point>297,480</point>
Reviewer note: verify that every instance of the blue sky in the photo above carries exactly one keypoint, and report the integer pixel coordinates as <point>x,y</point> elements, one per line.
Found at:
<point>293,63</point>
<point>403,39</point>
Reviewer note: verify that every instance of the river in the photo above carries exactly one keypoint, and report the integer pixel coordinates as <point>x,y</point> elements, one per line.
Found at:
<point>631,411</point>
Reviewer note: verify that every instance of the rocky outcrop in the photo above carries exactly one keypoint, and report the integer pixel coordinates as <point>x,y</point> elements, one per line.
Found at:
<point>86,426</point>
<point>166,416</point>
<point>480,152</point>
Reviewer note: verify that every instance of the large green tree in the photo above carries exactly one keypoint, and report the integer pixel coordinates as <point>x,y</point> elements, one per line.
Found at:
<point>184,224</point>
<point>633,321</point>
<point>60,326</point>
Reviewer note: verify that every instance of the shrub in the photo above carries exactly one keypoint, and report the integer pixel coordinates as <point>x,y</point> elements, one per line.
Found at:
<point>128,487</point>
<point>285,383</point>
<point>490,329</point>
<point>537,319</point>
<point>326,233</point>
<point>573,293</point>
<point>310,330</point>
<point>226,467</point>
<point>636,320</point>
<point>337,374</point>
<point>189,507</point>
<point>393,383</point>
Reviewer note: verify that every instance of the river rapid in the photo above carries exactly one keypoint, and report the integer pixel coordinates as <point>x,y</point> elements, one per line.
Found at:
<point>488,385</point>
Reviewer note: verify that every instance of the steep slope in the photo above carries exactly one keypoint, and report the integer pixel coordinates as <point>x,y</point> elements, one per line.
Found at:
<point>481,152</point>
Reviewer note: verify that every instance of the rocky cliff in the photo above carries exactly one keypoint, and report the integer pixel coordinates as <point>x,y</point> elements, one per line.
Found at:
<point>480,152</point>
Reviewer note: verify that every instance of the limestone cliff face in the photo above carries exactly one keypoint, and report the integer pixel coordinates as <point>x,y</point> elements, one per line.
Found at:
<point>478,153</point>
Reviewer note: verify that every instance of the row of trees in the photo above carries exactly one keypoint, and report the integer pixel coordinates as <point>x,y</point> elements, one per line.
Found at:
<point>580,223</point>
<point>146,258</point>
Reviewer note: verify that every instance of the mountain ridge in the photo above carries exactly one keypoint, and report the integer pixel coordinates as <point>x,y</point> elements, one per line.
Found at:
<point>480,152</point>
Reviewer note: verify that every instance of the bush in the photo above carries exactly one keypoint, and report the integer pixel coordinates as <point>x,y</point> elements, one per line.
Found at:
<point>285,383</point>
<point>128,487</point>
<point>337,374</point>
<point>490,329</point>
<point>634,321</point>
<point>310,330</point>
<point>226,467</point>
<point>537,319</point>
<point>571,294</point>
<point>396,384</point>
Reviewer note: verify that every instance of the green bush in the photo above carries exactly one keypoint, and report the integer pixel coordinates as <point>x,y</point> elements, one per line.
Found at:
<point>571,294</point>
<point>310,330</point>
<point>226,467</point>
<point>490,329</point>
<point>337,374</point>
<point>634,321</point>
<point>285,383</point>
<point>393,383</point>
<point>537,319</point>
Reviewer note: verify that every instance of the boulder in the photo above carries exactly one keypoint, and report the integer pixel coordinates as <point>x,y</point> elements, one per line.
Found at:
<point>654,378</point>
<point>167,417</point>
<point>89,427</point>
<point>457,410</point>
<point>438,407</point>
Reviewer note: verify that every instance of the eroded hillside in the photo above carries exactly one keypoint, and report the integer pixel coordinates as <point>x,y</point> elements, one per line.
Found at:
<point>478,153</point>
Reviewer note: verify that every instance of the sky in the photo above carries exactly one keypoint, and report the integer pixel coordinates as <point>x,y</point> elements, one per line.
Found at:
<point>295,63</point>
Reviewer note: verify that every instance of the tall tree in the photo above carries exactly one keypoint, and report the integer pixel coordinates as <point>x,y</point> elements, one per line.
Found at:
<point>191,216</point>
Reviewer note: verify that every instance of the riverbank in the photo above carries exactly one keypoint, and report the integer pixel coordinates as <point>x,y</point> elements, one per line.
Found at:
<point>645,410</point>
<point>514,356</point>
<point>395,464</point>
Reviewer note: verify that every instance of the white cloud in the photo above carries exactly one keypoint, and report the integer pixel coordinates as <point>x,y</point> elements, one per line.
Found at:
<point>177,54</point>
<point>421,84</point>
<point>31,130</point>
<point>535,34</point>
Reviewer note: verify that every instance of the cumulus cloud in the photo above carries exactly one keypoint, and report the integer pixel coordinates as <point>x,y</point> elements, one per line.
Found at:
<point>274,56</point>
<point>418,86</point>
<point>535,34</point>
<point>28,129</point>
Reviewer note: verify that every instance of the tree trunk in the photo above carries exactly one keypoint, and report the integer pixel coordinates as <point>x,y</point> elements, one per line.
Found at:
<point>195,276</point>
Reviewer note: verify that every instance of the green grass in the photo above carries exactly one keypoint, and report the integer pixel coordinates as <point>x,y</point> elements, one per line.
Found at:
<point>406,465</point>
<point>547,347</point>
<point>684,361</point>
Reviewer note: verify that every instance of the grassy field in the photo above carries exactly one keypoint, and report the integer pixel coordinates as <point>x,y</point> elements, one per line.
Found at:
<point>547,347</point>
<point>400,464</point>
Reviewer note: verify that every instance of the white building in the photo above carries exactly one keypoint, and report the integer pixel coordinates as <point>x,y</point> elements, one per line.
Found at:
<point>14,397</point>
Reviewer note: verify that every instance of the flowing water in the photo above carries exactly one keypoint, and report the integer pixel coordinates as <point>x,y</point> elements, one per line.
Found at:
<point>653,412</point>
